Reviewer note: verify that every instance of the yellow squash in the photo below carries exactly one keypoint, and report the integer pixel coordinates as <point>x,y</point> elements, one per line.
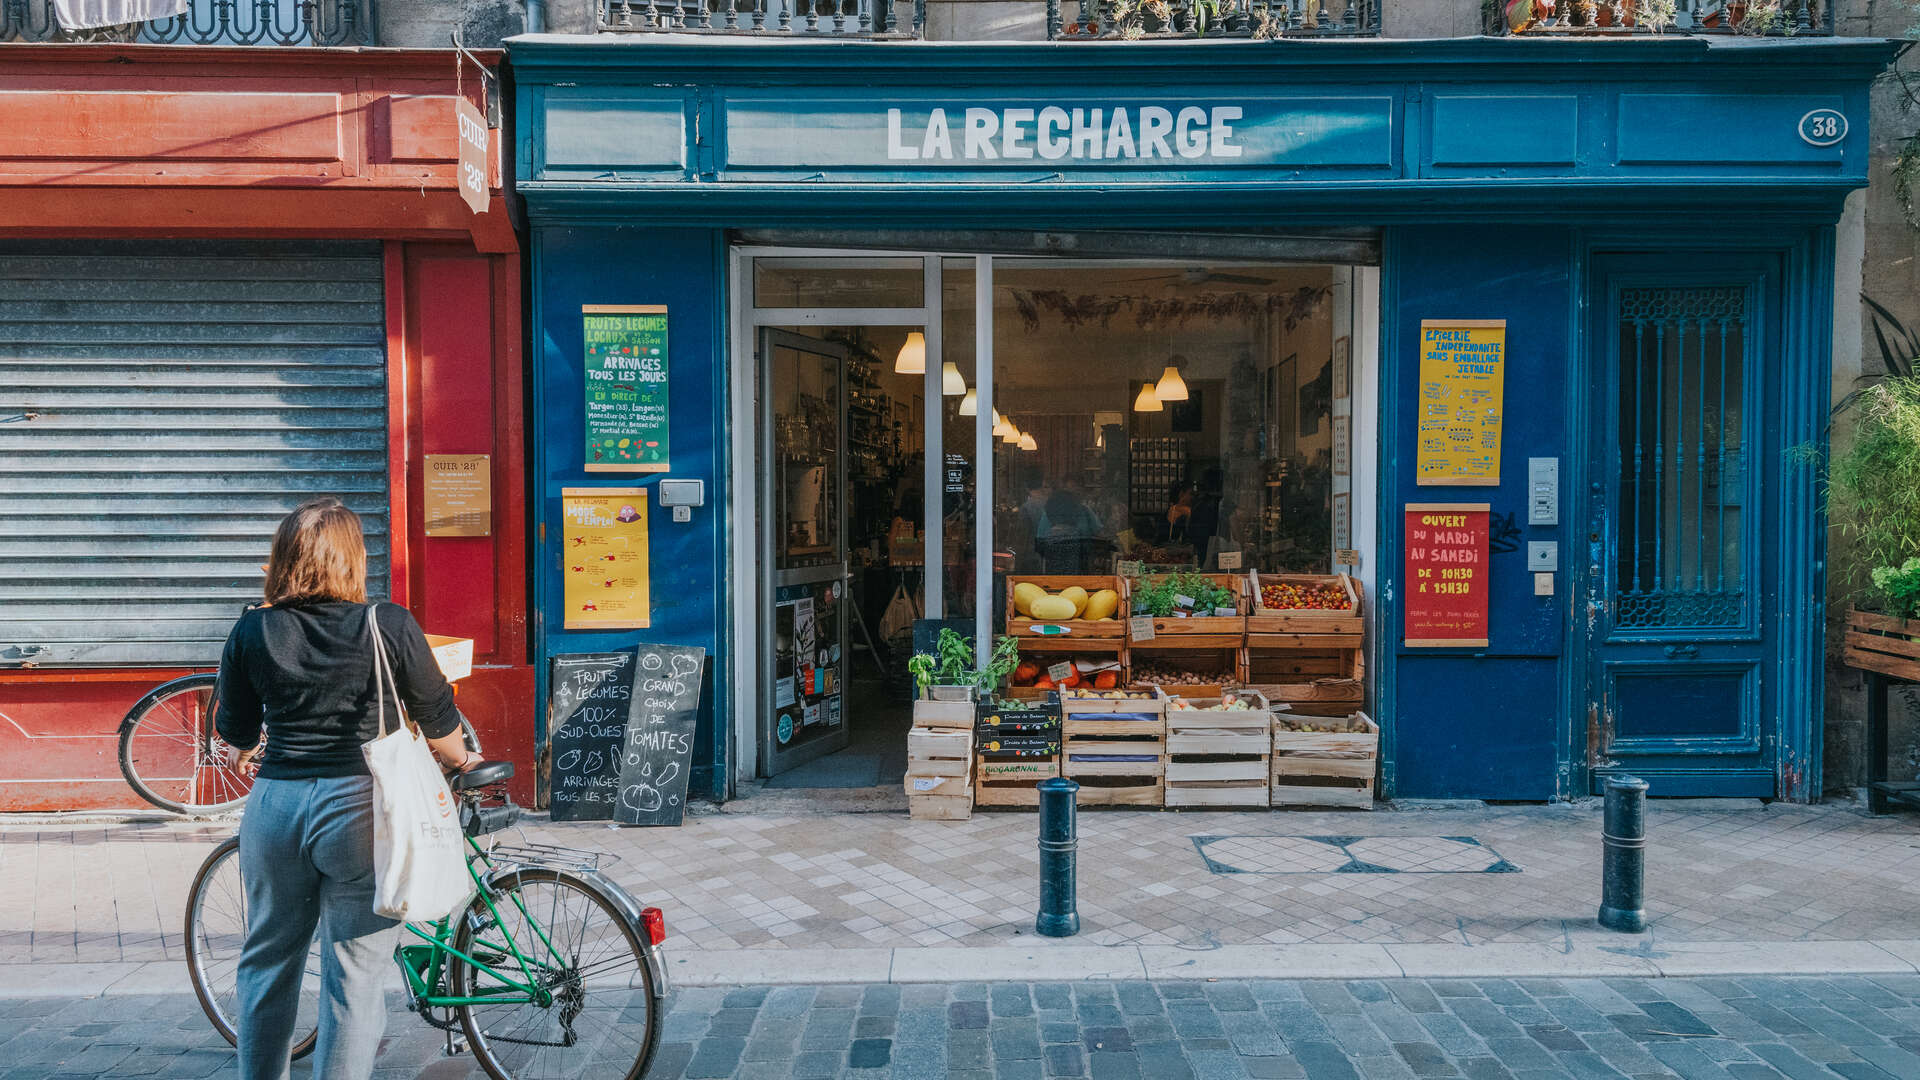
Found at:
<point>1102,605</point>
<point>1076,594</point>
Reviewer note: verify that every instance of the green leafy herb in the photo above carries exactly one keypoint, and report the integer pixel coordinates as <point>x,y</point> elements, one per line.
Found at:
<point>1900,587</point>
<point>1155,596</point>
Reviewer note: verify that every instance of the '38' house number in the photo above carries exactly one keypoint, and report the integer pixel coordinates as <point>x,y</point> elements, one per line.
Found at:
<point>1823,127</point>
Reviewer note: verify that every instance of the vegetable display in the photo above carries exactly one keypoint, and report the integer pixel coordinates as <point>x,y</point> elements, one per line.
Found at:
<point>951,663</point>
<point>1227,703</point>
<point>1072,602</point>
<point>1167,597</point>
<point>1090,674</point>
<point>1290,597</point>
<point>1168,673</point>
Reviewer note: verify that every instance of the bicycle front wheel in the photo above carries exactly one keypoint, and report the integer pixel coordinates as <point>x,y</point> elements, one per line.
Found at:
<point>216,930</point>
<point>600,1017</point>
<point>170,754</point>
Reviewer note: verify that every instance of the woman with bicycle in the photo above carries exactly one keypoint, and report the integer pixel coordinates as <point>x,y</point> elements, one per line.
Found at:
<point>301,666</point>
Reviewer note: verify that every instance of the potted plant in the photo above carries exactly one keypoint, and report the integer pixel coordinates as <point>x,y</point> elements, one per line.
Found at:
<point>1874,489</point>
<point>948,673</point>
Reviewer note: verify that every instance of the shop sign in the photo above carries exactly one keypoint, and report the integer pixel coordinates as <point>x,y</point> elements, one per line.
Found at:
<point>1446,584</point>
<point>603,558</point>
<point>473,154</point>
<point>1462,401</point>
<point>625,370</point>
<point>658,754</point>
<point>589,699</point>
<point>458,492</point>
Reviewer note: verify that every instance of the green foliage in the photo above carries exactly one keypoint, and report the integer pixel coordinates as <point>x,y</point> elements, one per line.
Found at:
<point>1899,343</point>
<point>1875,483</point>
<point>1900,586</point>
<point>1155,596</point>
<point>951,663</point>
<point>1006,657</point>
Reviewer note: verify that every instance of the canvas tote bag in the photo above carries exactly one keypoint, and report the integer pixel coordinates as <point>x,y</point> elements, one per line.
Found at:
<point>419,853</point>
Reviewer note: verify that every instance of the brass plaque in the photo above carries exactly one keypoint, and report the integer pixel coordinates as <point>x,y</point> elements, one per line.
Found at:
<point>459,494</point>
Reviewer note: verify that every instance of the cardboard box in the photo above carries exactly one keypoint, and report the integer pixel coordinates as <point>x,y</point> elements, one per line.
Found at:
<point>453,654</point>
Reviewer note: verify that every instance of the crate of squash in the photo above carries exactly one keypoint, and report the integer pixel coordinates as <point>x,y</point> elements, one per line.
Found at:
<point>1068,610</point>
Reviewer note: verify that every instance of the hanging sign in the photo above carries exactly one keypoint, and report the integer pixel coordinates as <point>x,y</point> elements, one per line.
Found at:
<point>603,557</point>
<point>626,387</point>
<point>1446,583</point>
<point>1462,401</point>
<point>458,492</point>
<point>473,154</point>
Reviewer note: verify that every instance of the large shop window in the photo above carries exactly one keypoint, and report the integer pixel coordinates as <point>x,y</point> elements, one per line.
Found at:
<point>162,406</point>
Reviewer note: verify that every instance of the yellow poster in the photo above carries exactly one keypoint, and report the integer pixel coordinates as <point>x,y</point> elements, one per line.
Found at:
<point>1462,401</point>
<point>604,557</point>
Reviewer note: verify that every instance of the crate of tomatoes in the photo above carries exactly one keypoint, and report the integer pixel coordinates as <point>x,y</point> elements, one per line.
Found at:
<point>1317,604</point>
<point>1038,674</point>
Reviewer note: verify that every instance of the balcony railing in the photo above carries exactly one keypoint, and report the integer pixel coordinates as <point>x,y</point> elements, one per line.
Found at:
<point>1602,18</point>
<point>1136,20</point>
<point>208,22</point>
<point>794,18</point>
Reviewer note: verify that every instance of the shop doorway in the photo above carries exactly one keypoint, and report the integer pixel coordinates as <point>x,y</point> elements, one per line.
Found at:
<point>924,424</point>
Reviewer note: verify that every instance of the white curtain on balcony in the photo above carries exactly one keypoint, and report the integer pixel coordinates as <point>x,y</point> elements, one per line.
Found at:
<point>88,14</point>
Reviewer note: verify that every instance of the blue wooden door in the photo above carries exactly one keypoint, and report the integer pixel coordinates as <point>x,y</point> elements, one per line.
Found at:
<point>1683,434</point>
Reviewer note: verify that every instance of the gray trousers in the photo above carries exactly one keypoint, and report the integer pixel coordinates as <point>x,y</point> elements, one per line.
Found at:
<point>306,856</point>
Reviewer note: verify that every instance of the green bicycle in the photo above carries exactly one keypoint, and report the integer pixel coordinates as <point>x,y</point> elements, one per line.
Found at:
<point>551,970</point>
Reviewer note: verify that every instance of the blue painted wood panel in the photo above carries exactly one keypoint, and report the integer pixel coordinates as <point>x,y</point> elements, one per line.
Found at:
<point>1483,129</point>
<point>1476,728</point>
<point>618,265</point>
<point>613,133</point>
<point>1711,131</point>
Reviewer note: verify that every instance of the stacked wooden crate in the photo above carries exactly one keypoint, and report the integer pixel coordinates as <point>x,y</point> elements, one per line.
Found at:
<point>1114,747</point>
<point>1306,654</point>
<point>1216,754</point>
<point>1065,652</point>
<point>1210,645</point>
<point>1324,760</point>
<point>940,760</point>
<point>1018,745</point>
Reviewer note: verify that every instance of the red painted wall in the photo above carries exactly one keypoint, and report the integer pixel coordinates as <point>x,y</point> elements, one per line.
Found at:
<point>264,143</point>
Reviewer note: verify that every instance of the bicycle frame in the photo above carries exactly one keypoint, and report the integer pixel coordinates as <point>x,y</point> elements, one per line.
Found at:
<point>425,965</point>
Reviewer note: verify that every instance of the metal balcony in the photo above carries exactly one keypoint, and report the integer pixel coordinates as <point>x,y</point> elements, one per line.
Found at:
<point>208,22</point>
<point>1079,20</point>
<point>788,18</point>
<point>1611,18</point>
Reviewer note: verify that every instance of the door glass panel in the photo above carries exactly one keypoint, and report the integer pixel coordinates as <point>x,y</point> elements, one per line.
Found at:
<point>838,283</point>
<point>806,452</point>
<point>1681,460</point>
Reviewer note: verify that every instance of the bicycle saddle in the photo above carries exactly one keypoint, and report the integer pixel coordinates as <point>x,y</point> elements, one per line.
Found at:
<point>487,772</point>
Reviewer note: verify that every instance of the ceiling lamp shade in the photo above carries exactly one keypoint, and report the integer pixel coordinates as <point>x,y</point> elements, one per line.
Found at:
<point>970,405</point>
<point>1011,435</point>
<point>1171,387</point>
<point>1148,401</point>
<point>1027,443</point>
<point>913,355</point>
<point>951,384</point>
<point>1000,426</point>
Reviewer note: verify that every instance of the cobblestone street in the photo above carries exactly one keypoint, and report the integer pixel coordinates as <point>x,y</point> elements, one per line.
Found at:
<point>1526,1029</point>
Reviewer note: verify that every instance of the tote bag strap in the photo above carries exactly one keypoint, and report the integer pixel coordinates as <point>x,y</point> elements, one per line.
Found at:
<point>383,681</point>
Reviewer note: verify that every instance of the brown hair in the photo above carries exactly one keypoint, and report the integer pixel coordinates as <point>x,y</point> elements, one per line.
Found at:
<point>318,554</point>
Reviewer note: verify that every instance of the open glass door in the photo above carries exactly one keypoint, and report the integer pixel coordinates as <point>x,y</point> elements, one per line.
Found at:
<point>803,484</point>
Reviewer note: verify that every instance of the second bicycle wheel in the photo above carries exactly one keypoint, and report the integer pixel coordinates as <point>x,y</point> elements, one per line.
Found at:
<point>603,1020</point>
<point>216,929</point>
<point>170,754</point>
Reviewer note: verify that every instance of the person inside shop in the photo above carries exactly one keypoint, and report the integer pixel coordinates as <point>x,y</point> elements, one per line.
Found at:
<point>1120,526</point>
<point>301,666</point>
<point>1180,513</point>
<point>1070,540</point>
<point>1204,520</point>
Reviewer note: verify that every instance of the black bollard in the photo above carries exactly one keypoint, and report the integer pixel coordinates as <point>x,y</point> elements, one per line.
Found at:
<point>1624,836</point>
<point>1059,911</point>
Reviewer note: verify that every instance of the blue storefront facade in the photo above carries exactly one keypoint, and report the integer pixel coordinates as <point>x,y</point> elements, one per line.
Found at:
<point>1663,201</point>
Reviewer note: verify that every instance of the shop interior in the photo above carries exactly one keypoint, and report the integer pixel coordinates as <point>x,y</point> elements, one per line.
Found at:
<point>1152,411</point>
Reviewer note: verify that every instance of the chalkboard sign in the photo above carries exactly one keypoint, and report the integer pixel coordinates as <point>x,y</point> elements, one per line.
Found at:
<point>625,371</point>
<point>589,698</point>
<point>659,746</point>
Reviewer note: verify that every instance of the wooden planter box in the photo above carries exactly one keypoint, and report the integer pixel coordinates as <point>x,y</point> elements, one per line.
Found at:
<point>1324,768</point>
<point>1011,783</point>
<point>1884,644</point>
<point>1218,758</point>
<point>1201,631</point>
<point>943,714</point>
<point>1313,621</point>
<point>1078,630</point>
<point>939,779</point>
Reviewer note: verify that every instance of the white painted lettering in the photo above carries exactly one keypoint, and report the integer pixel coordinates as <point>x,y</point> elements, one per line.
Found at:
<point>1220,131</point>
<point>1156,124</point>
<point>938,141</point>
<point>897,149</point>
<point>1191,141</point>
<point>1014,129</point>
<point>1120,137</point>
<point>982,124</point>
<point>1086,134</point>
<point>1052,119</point>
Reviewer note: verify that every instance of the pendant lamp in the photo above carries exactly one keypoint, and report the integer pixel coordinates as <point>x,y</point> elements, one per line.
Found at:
<point>1000,426</point>
<point>1171,387</point>
<point>970,405</point>
<point>1148,401</point>
<point>1011,435</point>
<point>913,355</point>
<point>1027,443</point>
<point>951,382</point>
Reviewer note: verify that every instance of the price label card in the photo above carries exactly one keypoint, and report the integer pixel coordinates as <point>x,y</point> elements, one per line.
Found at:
<point>1226,612</point>
<point>1229,560</point>
<point>1140,628</point>
<point>1182,601</point>
<point>1061,671</point>
<point>1127,568</point>
<point>1347,557</point>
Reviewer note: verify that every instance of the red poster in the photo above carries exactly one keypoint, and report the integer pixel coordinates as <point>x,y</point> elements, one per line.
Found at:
<point>1446,584</point>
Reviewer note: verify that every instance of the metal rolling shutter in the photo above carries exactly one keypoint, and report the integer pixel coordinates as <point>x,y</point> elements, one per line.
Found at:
<point>184,395</point>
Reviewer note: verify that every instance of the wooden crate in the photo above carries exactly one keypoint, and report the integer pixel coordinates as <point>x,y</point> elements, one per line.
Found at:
<point>1335,678</point>
<point>1265,620</point>
<point>1884,644</point>
<point>1102,653</point>
<point>1324,768</point>
<point>1200,631</point>
<point>940,807</point>
<point>1092,736</point>
<point>1218,758</point>
<point>1085,701</point>
<point>943,714</point>
<point>1221,666</point>
<point>1020,626</point>
<point>939,752</point>
<point>1011,783</point>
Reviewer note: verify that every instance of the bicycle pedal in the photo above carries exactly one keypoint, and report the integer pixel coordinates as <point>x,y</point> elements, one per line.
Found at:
<point>455,1045</point>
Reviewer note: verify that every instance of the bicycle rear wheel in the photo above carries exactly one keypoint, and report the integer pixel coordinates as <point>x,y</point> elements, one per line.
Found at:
<point>603,1021</point>
<point>171,755</point>
<point>216,929</point>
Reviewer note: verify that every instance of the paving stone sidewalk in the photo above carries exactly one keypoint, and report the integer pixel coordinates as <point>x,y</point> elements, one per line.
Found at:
<point>748,881</point>
<point>1522,1029</point>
